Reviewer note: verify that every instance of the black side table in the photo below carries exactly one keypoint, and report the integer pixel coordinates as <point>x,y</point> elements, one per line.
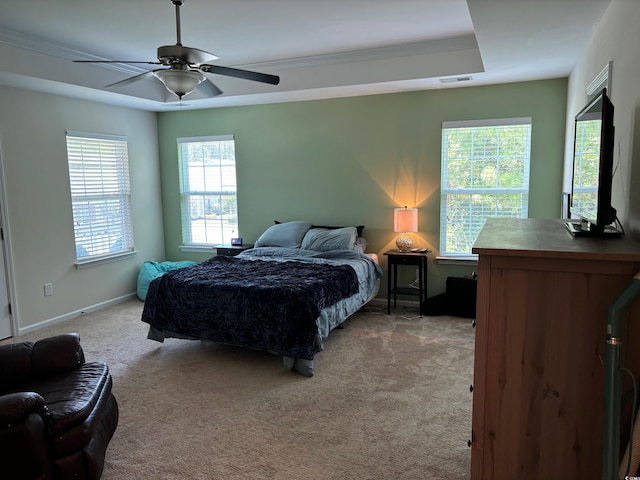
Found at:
<point>395,258</point>
<point>232,250</point>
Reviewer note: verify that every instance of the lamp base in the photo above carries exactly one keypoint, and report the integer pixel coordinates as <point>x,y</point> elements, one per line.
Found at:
<point>404,243</point>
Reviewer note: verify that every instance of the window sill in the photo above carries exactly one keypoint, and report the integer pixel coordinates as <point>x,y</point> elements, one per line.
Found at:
<point>197,248</point>
<point>458,260</point>
<point>94,262</point>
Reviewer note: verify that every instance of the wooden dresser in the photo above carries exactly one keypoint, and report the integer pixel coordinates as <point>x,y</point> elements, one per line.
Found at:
<point>538,386</point>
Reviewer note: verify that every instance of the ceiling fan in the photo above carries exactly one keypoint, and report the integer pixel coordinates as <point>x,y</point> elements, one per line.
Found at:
<point>185,68</point>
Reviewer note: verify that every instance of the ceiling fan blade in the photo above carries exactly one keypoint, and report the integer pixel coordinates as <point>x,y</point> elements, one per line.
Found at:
<point>198,56</point>
<point>116,61</point>
<point>135,78</point>
<point>238,73</point>
<point>208,89</point>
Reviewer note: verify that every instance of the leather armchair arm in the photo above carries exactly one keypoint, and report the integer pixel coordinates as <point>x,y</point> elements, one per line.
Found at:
<point>24,442</point>
<point>15,407</point>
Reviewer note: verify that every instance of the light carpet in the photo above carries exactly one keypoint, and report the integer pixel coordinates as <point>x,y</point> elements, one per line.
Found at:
<point>390,400</point>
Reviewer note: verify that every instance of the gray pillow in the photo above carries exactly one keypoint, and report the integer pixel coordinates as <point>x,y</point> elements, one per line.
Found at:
<point>324,240</point>
<point>288,234</point>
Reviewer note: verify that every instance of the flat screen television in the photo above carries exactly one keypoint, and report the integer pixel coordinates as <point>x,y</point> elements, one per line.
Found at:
<point>593,170</point>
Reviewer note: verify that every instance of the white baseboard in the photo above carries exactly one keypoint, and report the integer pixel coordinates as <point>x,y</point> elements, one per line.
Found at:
<point>74,314</point>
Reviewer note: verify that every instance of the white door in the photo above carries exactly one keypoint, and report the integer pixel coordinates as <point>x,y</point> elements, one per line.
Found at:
<point>5,313</point>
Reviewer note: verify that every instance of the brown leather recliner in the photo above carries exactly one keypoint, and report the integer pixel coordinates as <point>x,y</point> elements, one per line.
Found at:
<point>57,412</point>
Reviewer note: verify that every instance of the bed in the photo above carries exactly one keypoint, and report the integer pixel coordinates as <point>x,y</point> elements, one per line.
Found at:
<point>285,295</point>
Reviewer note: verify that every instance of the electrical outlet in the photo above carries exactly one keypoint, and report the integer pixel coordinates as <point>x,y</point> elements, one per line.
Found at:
<point>48,289</point>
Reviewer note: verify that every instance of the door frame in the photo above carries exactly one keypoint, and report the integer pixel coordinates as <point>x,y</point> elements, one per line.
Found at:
<point>5,250</point>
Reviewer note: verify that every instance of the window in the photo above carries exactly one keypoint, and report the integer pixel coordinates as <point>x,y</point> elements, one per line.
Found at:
<point>208,191</point>
<point>485,173</point>
<point>100,194</point>
<point>586,170</point>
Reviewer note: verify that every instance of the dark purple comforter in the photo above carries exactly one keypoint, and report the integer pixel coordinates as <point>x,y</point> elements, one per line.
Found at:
<point>268,305</point>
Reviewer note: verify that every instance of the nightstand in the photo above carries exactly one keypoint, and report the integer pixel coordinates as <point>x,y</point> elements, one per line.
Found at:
<point>232,250</point>
<point>398,258</point>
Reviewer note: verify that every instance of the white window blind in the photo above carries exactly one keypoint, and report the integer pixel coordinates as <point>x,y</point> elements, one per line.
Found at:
<point>208,189</point>
<point>100,194</point>
<point>485,173</point>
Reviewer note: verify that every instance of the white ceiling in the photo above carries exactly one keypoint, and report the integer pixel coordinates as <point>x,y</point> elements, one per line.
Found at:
<point>319,48</point>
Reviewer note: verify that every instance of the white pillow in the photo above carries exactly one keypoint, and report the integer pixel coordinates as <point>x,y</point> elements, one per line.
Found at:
<point>361,245</point>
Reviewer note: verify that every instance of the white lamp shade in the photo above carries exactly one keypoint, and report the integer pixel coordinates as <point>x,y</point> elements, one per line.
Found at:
<point>180,82</point>
<point>405,220</point>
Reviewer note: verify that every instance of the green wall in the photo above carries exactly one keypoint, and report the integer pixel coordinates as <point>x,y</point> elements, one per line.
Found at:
<point>351,161</point>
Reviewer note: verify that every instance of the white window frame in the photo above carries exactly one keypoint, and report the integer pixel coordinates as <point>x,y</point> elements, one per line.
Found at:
<point>218,226</point>
<point>100,196</point>
<point>472,226</point>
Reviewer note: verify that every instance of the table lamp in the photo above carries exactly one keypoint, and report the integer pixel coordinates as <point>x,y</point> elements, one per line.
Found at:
<point>405,220</point>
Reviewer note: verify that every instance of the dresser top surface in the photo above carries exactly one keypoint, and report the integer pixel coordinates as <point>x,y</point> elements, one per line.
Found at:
<point>542,237</point>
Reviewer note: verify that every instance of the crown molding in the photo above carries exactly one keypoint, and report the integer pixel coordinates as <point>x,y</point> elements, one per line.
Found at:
<point>427,47</point>
<point>45,46</point>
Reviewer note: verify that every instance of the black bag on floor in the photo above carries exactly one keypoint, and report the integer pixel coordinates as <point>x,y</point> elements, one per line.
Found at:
<point>459,299</point>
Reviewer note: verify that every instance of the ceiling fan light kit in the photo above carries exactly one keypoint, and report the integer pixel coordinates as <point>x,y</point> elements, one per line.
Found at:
<point>185,67</point>
<point>180,82</point>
